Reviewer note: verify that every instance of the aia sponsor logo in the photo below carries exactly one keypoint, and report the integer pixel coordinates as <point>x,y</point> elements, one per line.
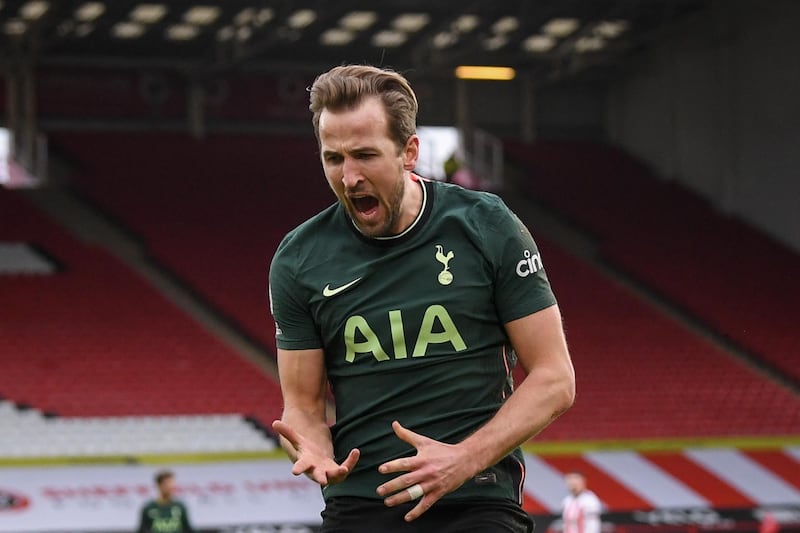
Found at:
<point>12,501</point>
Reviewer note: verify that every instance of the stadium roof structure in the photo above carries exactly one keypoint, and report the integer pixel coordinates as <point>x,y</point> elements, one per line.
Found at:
<point>551,38</point>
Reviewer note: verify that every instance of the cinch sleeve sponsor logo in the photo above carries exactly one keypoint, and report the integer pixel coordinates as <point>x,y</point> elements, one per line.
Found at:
<point>531,264</point>
<point>12,501</point>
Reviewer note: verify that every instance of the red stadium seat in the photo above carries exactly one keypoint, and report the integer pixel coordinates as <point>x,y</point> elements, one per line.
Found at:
<point>213,213</point>
<point>95,339</point>
<point>717,269</point>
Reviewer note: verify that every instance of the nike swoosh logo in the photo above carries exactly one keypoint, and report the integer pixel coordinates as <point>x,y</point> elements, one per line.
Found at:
<point>328,292</point>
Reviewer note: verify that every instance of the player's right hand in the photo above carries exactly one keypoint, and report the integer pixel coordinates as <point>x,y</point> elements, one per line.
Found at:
<point>312,461</point>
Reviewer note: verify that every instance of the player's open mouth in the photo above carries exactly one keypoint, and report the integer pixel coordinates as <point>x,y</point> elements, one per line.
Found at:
<point>365,205</point>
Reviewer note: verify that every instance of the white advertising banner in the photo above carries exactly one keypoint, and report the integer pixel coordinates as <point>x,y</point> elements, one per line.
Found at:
<point>264,497</point>
<point>5,155</point>
<point>109,498</point>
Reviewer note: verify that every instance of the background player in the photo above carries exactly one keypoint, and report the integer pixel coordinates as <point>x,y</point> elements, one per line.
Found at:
<point>581,508</point>
<point>164,514</point>
<point>408,297</point>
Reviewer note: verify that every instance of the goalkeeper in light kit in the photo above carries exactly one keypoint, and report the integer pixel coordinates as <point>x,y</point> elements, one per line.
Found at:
<point>414,300</point>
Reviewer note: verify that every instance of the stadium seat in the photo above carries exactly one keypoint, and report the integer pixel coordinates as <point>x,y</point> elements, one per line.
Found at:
<point>27,433</point>
<point>640,374</point>
<point>715,268</point>
<point>94,339</point>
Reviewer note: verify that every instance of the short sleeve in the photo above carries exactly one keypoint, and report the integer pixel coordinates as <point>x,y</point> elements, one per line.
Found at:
<point>144,521</point>
<point>187,525</point>
<point>294,325</point>
<point>521,284</point>
<point>592,505</point>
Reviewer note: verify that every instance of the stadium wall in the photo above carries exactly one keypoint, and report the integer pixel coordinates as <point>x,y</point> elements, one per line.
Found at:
<point>711,104</point>
<point>714,106</point>
<point>571,111</point>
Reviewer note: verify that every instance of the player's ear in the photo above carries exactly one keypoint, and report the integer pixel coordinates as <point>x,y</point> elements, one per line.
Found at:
<point>411,153</point>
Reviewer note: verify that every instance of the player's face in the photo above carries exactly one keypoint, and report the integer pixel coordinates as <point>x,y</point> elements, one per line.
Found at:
<point>367,170</point>
<point>576,483</point>
<point>167,488</point>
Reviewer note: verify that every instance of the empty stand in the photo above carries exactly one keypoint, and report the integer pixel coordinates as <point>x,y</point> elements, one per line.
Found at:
<point>95,340</point>
<point>213,211</point>
<point>642,375</point>
<point>718,269</point>
<point>27,433</point>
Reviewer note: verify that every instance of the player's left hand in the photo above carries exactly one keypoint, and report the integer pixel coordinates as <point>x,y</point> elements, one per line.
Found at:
<point>438,469</point>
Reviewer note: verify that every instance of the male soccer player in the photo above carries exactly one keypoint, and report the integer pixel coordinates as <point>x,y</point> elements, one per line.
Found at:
<point>581,508</point>
<point>164,514</point>
<point>412,299</point>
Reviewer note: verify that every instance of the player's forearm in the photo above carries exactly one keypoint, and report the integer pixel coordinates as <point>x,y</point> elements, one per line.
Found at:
<point>542,396</point>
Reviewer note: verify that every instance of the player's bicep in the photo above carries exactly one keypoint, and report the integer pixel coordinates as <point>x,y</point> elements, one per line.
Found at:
<point>538,340</point>
<point>303,380</point>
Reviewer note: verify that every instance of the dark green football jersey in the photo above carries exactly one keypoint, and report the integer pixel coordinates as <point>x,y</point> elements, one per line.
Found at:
<point>164,518</point>
<point>412,325</point>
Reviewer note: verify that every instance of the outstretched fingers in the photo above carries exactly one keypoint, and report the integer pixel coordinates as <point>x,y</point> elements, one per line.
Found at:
<point>351,459</point>
<point>343,470</point>
<point>411,493</point>
<point>408,436</point>
<point>434,471</point>
<point>286,431</point>
<point>312,461</point>
<point>424,504</point>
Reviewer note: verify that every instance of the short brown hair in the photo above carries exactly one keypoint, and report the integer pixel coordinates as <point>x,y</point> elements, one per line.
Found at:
<point>344,87</point>
<point>162,475</point>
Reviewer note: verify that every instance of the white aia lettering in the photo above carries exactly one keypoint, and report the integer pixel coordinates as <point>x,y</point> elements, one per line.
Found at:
<point>530,265</point>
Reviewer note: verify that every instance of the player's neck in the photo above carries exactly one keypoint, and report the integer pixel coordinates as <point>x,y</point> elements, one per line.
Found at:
<point>412,203</point>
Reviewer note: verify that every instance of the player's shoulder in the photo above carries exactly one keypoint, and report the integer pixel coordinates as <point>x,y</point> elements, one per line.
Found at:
<point>480,204</point>
<point>590,496</point>
<point>318,228</point>
<point>452,193</point>
<point>149,504</point>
